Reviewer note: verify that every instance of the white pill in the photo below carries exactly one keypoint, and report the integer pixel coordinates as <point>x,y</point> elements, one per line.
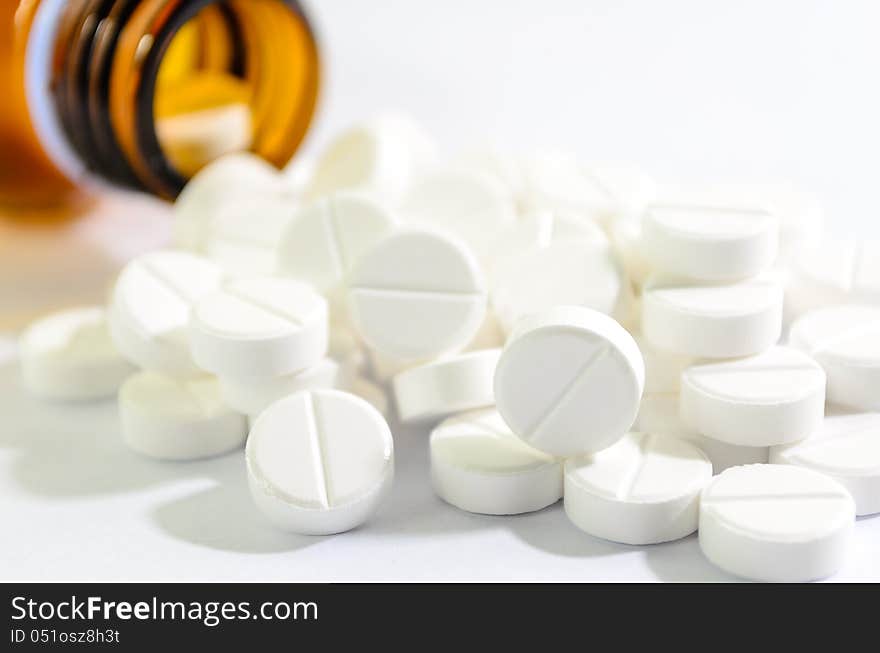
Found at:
<point>479,465</point>
<point>379,157</point>
<point>846,448</point>
<point>709,242</point>
<point>712,321</point>
<point>446,386</point>
<point>569,381</point>
<point>173,419</point>
<point>776,523</point>
<point>252,395</point>
<point>150,309</point>
<point>417,294</point>
<point>773,398</point>
<point>799,213</point>
<point>658,413</point>
<point>243,235</point>
<point>845,340</point>
<point>836,272</point>
<point>468,204</point>
<point>259,328</point>
<point>644,489</point>
<point>324,240</point>
<point>222,181</point>
<point>319,462</point>
<point>69,355</point>
<point>578,272</point>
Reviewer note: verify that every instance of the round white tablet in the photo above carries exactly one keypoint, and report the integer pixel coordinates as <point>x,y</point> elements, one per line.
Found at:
<point>479,465</point>
<point>712,321</point>
<point>252,395</point>
<point>379,157</point>
<point>319,462</point>
<point>845,340</point>
<point>324,240</point>
<point>259,328</point>
<point>799,213</point>
<point>580,272</point>
<point>773,398</point>
<point>712,243</point>
<point>471,205</point>
<point>644,489</point>
<point>222,181</point>
<point>836,272</point>
<point>776,523</point>
<point>173,419</point>
<point>658,413</point>
<point>69,355</point>
<point>150,309</point>
<point>569,381</point>
<point>446,386</point>
<point>846,448</point>
<point>417,294</point>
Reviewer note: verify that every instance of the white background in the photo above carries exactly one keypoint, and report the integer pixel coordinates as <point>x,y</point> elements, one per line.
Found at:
<point>720,91</point>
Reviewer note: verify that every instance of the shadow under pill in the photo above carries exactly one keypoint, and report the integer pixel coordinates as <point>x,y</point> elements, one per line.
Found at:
<point>682,561</point>
<point>68,450</point>
<point>224,517</point>
<point>549,530</point>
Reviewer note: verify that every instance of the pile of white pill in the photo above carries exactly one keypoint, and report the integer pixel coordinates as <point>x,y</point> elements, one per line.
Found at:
<point>562,331</point>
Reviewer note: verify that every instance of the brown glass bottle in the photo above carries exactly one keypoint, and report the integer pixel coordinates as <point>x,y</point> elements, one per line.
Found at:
<point>142,93</point>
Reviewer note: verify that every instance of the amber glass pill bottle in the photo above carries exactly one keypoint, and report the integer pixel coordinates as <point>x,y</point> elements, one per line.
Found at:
<point>143,93</point>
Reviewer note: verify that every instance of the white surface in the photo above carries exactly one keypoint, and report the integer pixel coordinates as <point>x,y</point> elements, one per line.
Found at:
<point>668,86</point>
